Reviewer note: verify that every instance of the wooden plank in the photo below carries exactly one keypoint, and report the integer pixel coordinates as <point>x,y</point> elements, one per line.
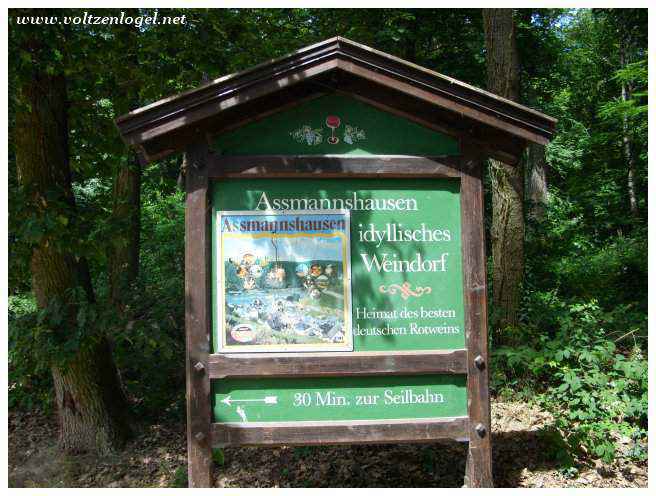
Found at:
<point>197,317</point>
<point>335,433</point>
<point>325,166</point>
<point>285,102</point>
<point>222,101</point>
<point>485,116</point>
<point>235,116</point>
<point>337,364</point>
<point>479,460</point>
<point>230,83</point>
<point>445,86</point>
<point>500,144</point>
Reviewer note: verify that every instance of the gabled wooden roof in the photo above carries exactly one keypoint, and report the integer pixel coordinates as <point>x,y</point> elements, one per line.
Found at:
<point>502,127</point>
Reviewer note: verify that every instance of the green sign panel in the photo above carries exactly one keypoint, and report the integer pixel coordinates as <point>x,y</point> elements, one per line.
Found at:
<point>405,263</point>
<point>339,398</point>
<point>291,256</point>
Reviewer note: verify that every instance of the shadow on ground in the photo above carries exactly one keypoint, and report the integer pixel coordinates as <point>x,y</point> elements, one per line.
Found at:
<point>524,455</point>
<point>412,465</point>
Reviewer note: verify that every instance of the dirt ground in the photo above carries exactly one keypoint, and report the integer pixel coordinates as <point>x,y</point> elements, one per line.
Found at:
<point>523,457</point>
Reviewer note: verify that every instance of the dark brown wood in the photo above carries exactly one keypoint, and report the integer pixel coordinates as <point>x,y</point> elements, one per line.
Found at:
<point>168,125</point>
<point>479,459</point>
<point>459,107</point>
<point>197,317</point>
<point>383,104</point>
<point>325,167</point>
<point>290,101</point>
<point>226,100</point>
<point>327,433</point>
<point>337,364</point>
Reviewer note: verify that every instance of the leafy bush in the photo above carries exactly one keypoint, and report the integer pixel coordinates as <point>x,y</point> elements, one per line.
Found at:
<point>29,381</point>
<point>598,393</point>
<point>180,478</point>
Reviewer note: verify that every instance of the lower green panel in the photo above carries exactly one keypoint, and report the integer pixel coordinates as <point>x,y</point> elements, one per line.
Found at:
<point>339,398</point>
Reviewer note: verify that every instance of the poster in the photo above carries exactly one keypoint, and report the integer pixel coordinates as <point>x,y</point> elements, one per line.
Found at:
<point>285,281</point>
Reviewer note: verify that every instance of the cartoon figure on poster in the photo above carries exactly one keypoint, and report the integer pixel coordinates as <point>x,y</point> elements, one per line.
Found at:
<point>286,281</point>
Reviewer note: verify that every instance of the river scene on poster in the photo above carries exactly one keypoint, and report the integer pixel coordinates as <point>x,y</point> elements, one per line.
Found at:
<point>286,281</point>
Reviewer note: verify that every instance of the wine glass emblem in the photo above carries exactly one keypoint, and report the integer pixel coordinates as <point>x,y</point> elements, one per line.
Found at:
<point>333,122</point>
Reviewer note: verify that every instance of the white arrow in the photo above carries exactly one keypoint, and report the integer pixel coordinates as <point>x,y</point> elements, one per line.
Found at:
<point>271,400</point>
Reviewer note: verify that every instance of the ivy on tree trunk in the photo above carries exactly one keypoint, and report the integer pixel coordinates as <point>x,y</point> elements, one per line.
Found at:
<point>90,401</point>
<point>507,233</point>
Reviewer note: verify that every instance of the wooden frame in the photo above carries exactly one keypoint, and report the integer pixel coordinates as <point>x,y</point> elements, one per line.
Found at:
<point>335,433</point>
<point>201,167</point>
<point>197,316</point>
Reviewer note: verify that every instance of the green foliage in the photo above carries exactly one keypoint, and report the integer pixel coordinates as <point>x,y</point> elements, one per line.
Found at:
<point>218,457</point>
<point>180,478</point>
<point>149,340</point>
<point>147,337</point>
<point>580,350</point>
<point>29,380</point>
<point>303,452</point>
<point>597,392</point>
<point>39,338</point>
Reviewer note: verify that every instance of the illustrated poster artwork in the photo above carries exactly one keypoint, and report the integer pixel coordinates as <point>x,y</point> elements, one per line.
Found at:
<point>284,281</point>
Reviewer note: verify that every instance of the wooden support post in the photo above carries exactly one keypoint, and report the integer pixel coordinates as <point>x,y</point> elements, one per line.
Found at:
<point>197,316</point>
<point>478,471</point>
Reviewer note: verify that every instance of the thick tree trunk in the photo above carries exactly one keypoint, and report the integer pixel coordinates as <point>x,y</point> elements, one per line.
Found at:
<point>92,408</point>
<point>91,405</point>
<point>502,57</point>
<point>536,183</point>
<point>507,234</point>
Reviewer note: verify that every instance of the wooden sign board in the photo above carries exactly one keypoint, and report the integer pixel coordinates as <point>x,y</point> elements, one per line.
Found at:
<point>416,280</point>
<point>345,304</point>
<point>335,281</point>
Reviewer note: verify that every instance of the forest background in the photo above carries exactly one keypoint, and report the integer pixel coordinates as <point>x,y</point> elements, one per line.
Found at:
<point>96,248</point>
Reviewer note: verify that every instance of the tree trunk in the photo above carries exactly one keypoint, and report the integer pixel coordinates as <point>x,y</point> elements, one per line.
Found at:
<point>126,215</point>
<point>91,405</point>
<point>626,134</point>
<point>502,57</point>
<point>507,234</point>
<point>126,209</point>
<point>536,183</point>
<point>91,402</point>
